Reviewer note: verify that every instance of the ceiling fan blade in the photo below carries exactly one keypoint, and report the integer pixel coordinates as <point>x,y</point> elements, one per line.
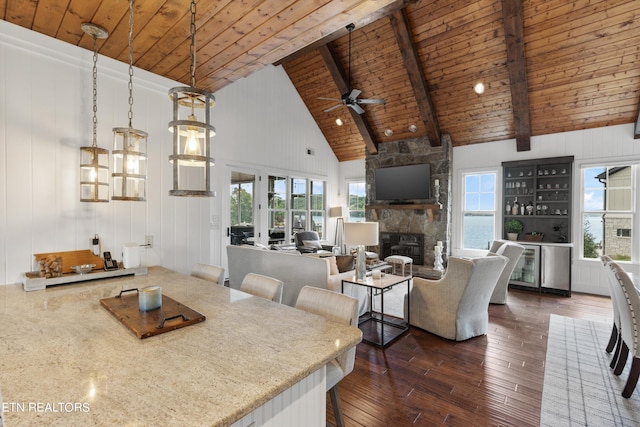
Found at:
<point>330,99</point>
<point>370,101</point>
<point>332,108</point>
<point>358,109</point>
<point>354,93</point>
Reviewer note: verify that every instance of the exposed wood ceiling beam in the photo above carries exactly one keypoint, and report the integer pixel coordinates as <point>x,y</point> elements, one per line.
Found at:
<point>400,25</point>
<point>337,73</point>
<point>517,69</point>
<point>342,31</point>
<point>636,131</point>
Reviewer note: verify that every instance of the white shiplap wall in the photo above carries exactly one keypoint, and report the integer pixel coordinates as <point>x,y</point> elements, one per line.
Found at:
<point>591,146</point>
<point>45,116</point>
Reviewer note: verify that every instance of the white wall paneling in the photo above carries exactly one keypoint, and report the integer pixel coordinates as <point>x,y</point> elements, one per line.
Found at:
<point>46,89</point>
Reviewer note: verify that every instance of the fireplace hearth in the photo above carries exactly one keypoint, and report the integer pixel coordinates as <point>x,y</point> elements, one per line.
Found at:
<point>407,244</point>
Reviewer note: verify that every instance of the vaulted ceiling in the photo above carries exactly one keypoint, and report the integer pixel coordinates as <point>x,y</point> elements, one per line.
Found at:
<point>548,66</point>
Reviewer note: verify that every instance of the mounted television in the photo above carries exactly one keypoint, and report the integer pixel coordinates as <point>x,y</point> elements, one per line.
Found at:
<point>403,183</point>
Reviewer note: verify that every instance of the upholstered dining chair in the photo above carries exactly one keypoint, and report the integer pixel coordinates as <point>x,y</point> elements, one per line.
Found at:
<point>456,306</point>
<point>512,251</point>
<point>339,308</point>
<point>629,314</point>
<point>262,286</point>
<point>612,284</point>
<point>212,273</point>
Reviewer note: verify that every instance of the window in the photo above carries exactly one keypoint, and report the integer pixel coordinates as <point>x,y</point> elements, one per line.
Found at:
<point>242,203</point>
<point>479,212</point>
<point>316,208</point>
<point>357,198</point>
<point>277,209</point>
<point>608,211</point>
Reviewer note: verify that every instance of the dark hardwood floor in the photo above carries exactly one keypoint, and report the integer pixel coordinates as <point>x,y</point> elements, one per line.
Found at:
<point>492,380</point>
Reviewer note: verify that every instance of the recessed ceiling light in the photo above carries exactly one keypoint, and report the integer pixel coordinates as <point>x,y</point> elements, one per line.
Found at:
<point>388,132</point>
<point>413,128</point>
<point>339,121</point>
<point>479,88</point>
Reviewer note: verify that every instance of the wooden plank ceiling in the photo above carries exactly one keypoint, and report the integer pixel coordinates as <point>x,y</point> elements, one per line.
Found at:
<point>548,65</point>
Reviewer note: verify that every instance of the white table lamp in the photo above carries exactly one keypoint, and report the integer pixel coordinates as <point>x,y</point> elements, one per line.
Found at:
<point>361,234</point>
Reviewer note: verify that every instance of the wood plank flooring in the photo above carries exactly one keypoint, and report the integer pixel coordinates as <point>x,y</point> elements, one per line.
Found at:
<point>493,380</point>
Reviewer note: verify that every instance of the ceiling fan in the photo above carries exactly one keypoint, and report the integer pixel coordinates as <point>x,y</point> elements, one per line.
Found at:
<point>350,97</point>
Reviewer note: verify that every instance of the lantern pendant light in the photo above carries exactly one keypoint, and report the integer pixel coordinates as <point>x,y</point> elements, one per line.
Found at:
<point>192,132</point>
<point>94,161</point>
<point>129,147</point>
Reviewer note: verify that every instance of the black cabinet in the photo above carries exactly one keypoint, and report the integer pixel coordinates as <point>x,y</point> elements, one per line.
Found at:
<point>542,191</point>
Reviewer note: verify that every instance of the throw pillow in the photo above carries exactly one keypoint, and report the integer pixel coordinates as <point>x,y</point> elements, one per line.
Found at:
<point>333,266</point>
<point>312,243</point>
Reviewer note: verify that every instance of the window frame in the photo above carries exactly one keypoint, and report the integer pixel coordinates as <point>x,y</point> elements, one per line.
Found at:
<point>497,212</point>
<point>364,200</point>
<point>634,164</point>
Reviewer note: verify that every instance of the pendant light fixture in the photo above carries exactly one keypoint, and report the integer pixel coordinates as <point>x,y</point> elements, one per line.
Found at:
<point>129,147</point>
<point>94,161</point>
<point>192,132</point>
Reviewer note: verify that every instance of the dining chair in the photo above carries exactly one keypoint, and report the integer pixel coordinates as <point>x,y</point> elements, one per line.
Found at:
<point>212,273</point>
<point>612,282</point>
<point>262,286</point>
<point>339,308</point>
<point>629,313</point>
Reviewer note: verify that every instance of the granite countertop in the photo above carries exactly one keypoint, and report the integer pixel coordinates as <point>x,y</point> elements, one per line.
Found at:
<point>68,361</point>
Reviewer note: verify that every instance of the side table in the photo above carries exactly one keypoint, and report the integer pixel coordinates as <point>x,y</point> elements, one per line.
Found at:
<point>373,323</point>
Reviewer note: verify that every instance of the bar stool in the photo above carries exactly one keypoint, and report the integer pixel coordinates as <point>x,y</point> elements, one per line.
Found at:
<point>400,260</point>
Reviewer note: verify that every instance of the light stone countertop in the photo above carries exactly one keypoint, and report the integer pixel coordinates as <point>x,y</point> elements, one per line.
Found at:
<point>70,362</point>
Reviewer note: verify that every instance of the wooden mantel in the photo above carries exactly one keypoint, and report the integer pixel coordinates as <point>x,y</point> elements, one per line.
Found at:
<point>428,207</point>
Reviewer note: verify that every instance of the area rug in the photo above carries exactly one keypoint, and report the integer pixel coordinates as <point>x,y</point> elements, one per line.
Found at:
<point>579,387</point>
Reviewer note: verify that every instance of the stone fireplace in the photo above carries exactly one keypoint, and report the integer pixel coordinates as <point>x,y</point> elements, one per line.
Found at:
<point>428,219</point>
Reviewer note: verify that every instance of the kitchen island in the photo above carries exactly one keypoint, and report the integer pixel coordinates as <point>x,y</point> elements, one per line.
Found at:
<point>66,360</point>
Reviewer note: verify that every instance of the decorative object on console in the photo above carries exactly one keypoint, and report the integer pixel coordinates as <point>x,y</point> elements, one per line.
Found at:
<point>191,156</point>
<point>129,147</point>
<point>437,257</point>
<point>94,161</point>
<point>361,234</point>
<point>339,212</point>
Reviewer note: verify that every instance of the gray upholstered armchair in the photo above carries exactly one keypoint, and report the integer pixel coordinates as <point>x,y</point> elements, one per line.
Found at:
<point>512,251</point>
<point>456,306</point>
<point>309,242</point>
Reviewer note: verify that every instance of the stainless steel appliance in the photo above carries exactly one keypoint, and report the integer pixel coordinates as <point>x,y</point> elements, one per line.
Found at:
<point>544,268</point>
<point>527,271</point>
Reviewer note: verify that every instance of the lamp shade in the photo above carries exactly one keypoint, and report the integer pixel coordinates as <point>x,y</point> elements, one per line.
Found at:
<point>338,212</point>
<point>361,233</point>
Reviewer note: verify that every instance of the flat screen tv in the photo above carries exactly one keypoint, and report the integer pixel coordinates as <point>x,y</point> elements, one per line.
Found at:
<point>403,183</point>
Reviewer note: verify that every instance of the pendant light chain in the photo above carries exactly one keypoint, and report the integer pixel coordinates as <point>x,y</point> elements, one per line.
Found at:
<point>193,43</point>
<point>130,62</point>
<point>95,92</point>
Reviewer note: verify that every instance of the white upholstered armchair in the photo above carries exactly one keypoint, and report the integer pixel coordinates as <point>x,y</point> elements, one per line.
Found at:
<point>456,306</point>
<point>512,251</point>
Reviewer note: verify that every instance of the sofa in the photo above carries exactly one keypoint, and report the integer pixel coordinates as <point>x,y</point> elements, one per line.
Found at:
<point>294,270</point>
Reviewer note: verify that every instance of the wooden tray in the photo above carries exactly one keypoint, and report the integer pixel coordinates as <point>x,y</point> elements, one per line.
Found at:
<point>146,323</point>
<point>70,258</point>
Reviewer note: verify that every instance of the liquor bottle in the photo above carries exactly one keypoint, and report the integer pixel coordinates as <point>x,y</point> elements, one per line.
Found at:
<point>516,207</point>
<point>508,208</point>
